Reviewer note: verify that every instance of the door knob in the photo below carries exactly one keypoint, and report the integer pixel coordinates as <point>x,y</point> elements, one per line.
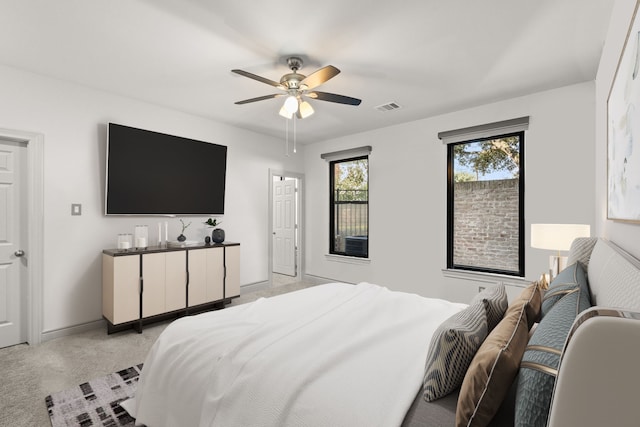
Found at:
<point>19,253</point>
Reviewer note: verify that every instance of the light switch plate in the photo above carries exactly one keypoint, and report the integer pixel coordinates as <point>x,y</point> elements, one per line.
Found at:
<point>76,209</point>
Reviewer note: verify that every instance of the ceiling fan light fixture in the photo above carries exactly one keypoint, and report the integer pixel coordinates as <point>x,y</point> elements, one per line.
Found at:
<point>295,86</point>
<point>291,104</point>
<point>305,109</point>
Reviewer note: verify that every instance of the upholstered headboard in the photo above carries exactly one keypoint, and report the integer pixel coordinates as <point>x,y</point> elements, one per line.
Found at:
<point>614,277</point>
<point>598,378</point>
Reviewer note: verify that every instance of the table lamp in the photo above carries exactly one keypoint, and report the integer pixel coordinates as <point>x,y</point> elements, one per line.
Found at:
<point>557,237</point>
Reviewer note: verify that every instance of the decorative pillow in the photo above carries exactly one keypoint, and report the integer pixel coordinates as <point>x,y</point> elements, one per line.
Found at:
<point>452,348</point>
<point>495,303</point>
<point>580,251</point>
<point>531,298</point>
<point>540,361</point>
<point>565,282</point>
<point>494,367</point>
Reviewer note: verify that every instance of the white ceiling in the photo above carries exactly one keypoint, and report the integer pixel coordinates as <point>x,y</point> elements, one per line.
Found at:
<point>429,56</point>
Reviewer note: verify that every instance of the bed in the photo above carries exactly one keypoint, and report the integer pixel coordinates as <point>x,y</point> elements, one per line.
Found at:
<point>362,355</point>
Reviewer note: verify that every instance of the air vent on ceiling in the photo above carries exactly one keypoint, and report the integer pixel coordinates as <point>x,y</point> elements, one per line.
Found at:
<point>388,106</point>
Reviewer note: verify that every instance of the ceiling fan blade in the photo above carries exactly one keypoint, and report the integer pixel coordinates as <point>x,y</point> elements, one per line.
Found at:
<point>259,98</point>
<point>332,97</point>
<point>259,78</point>
<point>320,76</point>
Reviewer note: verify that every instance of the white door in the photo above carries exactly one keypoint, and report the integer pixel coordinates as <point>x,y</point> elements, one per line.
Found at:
<point>13,253</point>
<point>284,226</point>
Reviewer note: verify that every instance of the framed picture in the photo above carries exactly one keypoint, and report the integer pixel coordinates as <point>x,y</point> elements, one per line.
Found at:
<point>623,131</point>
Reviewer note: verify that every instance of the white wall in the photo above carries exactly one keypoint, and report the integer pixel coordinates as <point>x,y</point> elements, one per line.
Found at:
<point>627,235</point>
<point>408,190</point>
<point>73,121</point>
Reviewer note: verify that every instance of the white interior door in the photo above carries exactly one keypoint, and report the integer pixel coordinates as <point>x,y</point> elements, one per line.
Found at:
<point>284,226</point>
<point>13,255</point>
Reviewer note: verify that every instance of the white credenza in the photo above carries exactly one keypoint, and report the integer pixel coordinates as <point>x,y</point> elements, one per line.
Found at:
<point>142,286</point>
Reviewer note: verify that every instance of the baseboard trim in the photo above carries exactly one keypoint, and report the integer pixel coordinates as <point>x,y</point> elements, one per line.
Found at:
<point>256,286</point>
<point>72,330</point>
<point>320,279</point>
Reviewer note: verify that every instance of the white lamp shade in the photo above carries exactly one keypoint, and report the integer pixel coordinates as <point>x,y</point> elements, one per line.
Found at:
<point>305,109</point>
<point>291,104</point>
<point>284,113</point>
<point>557,237</point>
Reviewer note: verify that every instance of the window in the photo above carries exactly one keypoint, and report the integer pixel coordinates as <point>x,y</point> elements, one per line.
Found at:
<point>485,199</point>
<point>349,201</point>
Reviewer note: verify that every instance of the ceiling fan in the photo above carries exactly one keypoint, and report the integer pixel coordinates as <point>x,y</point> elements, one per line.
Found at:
<point>297,86</point>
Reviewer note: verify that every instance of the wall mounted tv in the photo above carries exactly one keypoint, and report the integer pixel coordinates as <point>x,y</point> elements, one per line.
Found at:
<point>150,173</point>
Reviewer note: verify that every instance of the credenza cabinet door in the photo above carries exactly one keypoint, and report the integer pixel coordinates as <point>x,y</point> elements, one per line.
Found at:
<point>153,284</point>
<point>215,274</point>
<point>120,288</point>
<point>197,277</point>
<point>206,275</point>
<point>175,281</point>
<point>232,263</point>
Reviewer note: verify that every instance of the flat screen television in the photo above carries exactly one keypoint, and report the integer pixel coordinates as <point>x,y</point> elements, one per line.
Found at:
<point>151,173</point>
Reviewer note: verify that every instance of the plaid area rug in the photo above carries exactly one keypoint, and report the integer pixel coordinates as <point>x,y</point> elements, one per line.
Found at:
<point>95,403</point>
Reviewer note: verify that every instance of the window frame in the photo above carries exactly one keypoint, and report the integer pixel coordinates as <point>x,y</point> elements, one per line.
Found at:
<point>332,201</point>
<point>521,212</point>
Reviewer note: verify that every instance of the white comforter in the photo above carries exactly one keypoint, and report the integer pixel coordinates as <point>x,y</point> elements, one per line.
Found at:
<point>330,355</point>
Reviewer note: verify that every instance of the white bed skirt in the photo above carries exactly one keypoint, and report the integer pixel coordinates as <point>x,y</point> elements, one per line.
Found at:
<point>330,355</point>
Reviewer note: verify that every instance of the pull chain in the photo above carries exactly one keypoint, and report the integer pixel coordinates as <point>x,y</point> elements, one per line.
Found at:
<point>286,144</point>
<point>295,134</point>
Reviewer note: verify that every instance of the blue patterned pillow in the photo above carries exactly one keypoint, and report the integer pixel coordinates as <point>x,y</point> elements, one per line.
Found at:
<point>539,365</point>
<point>453,345</point>
<point>565,282</point>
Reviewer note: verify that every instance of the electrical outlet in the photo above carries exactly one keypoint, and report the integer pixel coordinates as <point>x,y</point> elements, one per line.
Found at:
<point>481,288</point>
<point>76,209</point>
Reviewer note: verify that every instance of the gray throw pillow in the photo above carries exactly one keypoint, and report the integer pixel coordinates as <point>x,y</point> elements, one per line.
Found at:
<point>495,302</point>
<point>453,346</point>
<point>565,282</point>
<point>580,251</point>
<point>539,365</point>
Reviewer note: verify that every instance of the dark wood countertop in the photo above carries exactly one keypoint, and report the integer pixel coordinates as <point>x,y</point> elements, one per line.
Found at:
<point>155,249</point>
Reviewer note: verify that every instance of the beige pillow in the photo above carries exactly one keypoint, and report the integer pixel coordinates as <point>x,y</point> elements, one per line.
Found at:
<point>531,296</point>
<point>496,363</point>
